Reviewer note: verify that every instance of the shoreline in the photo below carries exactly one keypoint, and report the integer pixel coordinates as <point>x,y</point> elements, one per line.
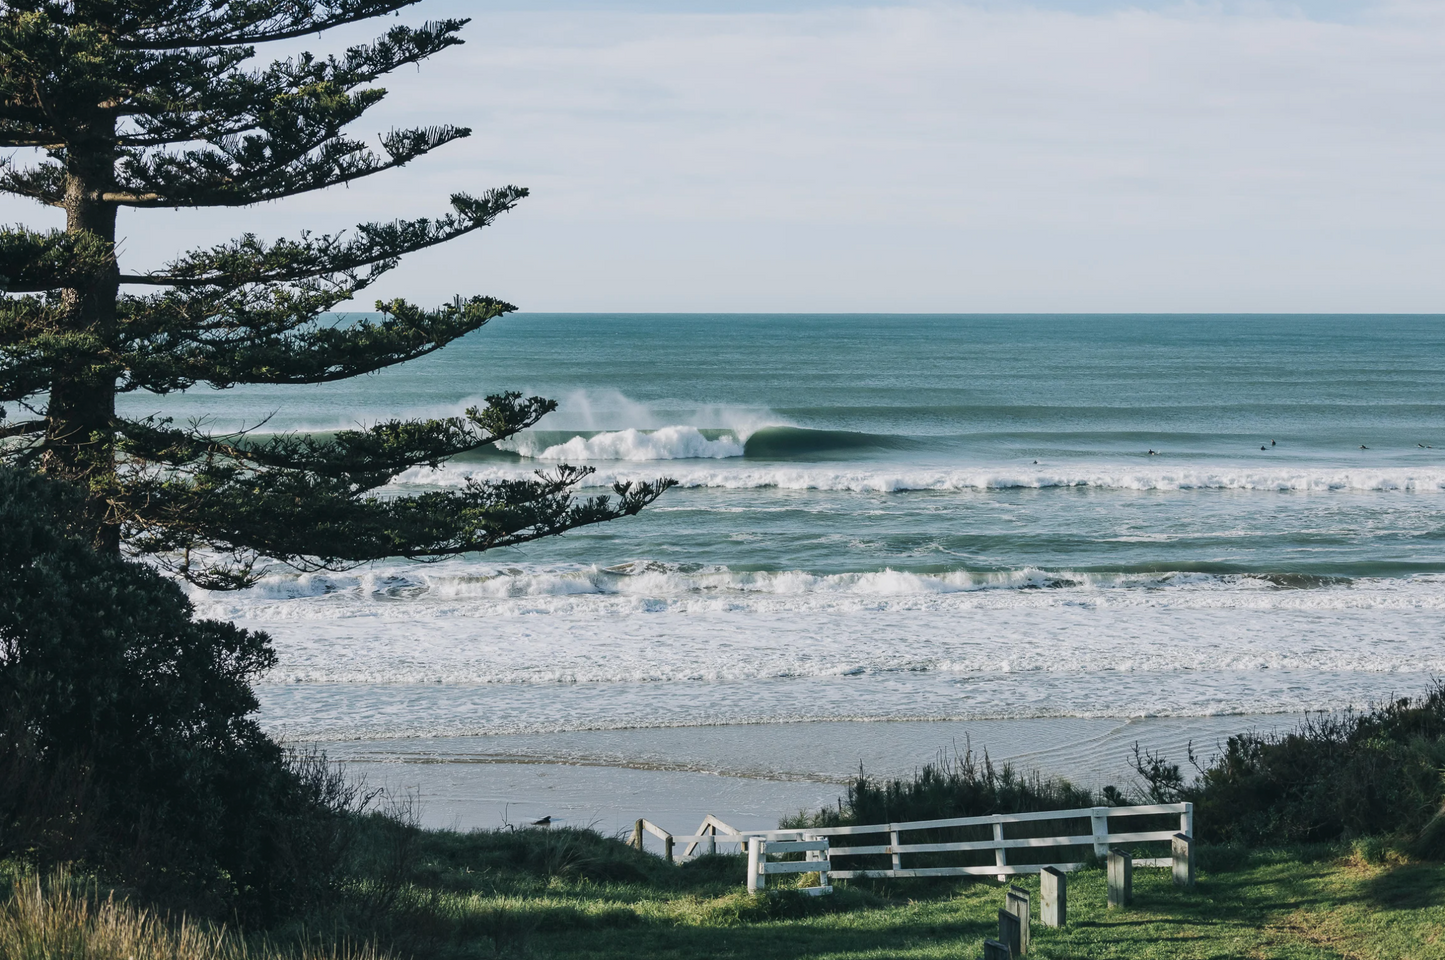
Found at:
<point>750,775</point>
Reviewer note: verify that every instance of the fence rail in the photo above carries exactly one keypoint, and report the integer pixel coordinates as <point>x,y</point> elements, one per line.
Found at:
<point>1109,826</point>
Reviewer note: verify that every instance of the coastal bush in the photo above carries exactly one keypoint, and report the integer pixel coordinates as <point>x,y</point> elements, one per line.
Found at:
<point>125,731</point>
<point>958,785</point>
<point>1376,773</point>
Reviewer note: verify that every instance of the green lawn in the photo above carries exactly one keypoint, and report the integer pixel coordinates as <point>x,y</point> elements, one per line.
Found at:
<point>493,896</point>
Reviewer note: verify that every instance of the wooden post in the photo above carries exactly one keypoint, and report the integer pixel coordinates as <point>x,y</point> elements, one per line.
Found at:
<point>1183,850</point>
<point>1099,820</point>
<point>893,842</point>
<point>667,847</point>
<point>637,835</point>
<point>1121,878</point>
<point>1054,890</point>
<point>1020,904</point>
<point>1186,820</point>
<point>711,839</point>
<point>993,950</point>
<point>757,856</point>
<point>999,859</point>
<point>1010,933</point>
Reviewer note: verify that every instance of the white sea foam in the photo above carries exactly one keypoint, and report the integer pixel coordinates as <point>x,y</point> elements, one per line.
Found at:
<point>667,443</point>
<point>893,478</point>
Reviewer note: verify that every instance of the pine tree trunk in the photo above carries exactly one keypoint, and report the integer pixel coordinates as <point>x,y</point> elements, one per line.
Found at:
<point>80,433</point>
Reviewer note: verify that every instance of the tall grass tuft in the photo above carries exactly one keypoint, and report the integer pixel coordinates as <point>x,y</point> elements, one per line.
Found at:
<point>61,918</point>
<point>963,784</point>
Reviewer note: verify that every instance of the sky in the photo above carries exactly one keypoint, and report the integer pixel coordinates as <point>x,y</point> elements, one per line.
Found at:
<point>807,155</point>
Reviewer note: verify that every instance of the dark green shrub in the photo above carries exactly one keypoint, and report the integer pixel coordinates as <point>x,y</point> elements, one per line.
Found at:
<point>1337,776</point>
<point>963,785</point>
<point>125,729</point>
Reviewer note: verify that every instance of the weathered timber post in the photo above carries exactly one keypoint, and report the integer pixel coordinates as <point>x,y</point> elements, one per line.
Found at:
<point>1121,878</point>
<point>1186,820</point>
<point>999,859</point>
<point>993,950</point>
<point>711,839</point>
<point>1099,820</point>
<point>893,842</point>
<point>637,835</point>
<point>667,847</point>
<point>757,857</point>
<point>1182,848</point>
<point>1010,933</point>
<point>1054,891</point>
<point>1020,904</point>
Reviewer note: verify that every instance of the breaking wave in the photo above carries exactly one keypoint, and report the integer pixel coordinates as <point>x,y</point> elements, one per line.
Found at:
<point>893,478</point>
<point>695,443</point>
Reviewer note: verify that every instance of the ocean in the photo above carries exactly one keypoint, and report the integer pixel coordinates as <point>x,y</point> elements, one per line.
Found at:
<point>953,519</point>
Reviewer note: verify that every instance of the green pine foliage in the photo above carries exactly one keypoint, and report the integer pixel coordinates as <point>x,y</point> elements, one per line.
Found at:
<point>168,104</point>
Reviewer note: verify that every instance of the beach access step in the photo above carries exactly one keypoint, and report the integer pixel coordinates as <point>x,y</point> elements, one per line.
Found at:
<point>1108,827</point>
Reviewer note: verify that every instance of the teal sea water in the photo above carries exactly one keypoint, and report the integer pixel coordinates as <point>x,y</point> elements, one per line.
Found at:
<point>889,517</point>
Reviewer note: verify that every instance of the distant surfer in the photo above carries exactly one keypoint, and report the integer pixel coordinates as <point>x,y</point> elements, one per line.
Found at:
<point>1271,443</point>
<point>1153,453</point>
<point>1363,447</point>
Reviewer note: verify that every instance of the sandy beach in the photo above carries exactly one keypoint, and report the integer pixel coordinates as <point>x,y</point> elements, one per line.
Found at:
<point>750,775</point>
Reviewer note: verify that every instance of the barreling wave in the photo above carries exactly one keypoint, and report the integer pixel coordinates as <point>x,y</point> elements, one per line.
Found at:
<point>893,478</point>
<point>774,442</point>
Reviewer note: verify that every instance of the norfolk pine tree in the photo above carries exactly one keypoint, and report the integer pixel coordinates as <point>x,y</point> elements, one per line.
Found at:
<point>152,104</point>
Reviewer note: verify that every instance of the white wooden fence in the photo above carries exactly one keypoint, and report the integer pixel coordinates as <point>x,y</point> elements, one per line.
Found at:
<point>815,860</point>
<point>1109,826</point>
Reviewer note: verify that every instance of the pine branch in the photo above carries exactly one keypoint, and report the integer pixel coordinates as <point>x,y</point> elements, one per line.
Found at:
<point>253,172</point>
<point>191,24</point>
<point>361,459</point>
<point>44,183</point>
<point>250,261</point>
<point>21,428</point>
<point>312,524</point>
<point>32,262</point>
<point>225,358</point>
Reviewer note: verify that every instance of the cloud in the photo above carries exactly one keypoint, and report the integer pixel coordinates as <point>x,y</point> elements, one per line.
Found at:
<point>1073,156</point>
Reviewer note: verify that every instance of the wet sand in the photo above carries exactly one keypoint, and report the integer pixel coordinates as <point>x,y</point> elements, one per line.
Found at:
<point>749,775</point>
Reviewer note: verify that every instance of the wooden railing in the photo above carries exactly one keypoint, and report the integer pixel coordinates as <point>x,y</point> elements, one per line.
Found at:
<point>1108,827</point>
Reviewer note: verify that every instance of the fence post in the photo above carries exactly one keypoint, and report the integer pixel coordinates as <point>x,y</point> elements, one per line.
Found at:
<point>1121,879</point>
<point>667,847</point>
<point>757,856</point>
<point>1186,820</point>
<point>1182,847</point>
<point>993,950</point>
<point>1054,890</point>
<point>999,858</point>
<point>1020,904</point>
<point>711,839</point>
<point>1099,820</point>
<point>637,835</point>
<point>1010,933</point>
<point>893,842</point>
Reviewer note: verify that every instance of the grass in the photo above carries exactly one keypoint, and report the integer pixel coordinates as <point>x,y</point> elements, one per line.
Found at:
<point>573,895</point>
<point>64,919</point>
